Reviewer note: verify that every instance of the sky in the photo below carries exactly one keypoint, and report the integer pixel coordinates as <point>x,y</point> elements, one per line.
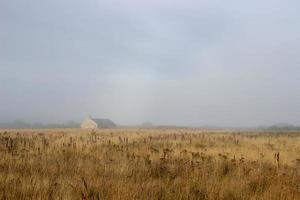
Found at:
<point>175,62</point>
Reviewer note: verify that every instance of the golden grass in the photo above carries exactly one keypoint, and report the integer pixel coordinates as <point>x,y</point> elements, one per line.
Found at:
<point>149,164</point>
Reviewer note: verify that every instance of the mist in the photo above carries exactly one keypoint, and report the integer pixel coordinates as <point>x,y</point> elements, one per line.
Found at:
<point>191,63</point>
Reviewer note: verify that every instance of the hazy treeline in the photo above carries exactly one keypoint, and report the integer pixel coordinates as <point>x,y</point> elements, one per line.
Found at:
<point>21,124</point>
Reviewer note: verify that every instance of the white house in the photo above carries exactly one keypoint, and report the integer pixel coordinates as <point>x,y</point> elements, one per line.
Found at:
<point>92,123</point>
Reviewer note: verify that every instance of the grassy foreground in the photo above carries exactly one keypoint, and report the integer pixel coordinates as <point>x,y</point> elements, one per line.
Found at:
<point>129,164</point>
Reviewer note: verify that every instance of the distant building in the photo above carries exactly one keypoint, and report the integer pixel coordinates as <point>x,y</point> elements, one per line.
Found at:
<point>92,123</point>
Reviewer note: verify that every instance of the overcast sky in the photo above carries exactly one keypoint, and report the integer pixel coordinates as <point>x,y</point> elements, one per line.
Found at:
<point>184,62</point>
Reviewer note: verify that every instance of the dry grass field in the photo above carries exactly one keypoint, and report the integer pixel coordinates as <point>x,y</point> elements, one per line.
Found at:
<point>149,164</point>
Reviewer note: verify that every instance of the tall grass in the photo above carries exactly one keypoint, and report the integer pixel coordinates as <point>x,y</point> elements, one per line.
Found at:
<point>149,164</point>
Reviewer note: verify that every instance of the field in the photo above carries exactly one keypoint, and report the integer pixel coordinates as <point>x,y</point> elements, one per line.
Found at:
<point>150,164</point>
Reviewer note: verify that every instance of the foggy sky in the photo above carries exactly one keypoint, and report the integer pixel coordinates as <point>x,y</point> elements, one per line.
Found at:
<point>184,62</point>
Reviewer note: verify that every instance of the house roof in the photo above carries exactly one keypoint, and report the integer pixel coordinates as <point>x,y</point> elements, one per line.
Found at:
<point>104,123</point>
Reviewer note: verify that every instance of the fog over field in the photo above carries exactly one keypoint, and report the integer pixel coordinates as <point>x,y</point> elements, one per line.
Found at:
<point>208,62</point>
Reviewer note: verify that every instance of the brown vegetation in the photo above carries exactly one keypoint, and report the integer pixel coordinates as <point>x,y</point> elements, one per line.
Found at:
<point>149,164</point>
